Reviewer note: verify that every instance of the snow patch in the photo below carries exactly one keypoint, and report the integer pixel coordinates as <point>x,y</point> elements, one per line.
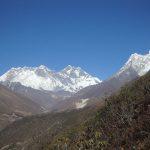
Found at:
<point>81,104</point>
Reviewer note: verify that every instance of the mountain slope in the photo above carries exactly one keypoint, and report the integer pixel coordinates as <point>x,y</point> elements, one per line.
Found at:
<point>69,79</point>
<point>136,66</point>
<point>40,129</point>
<point>46,99</point>
<point>14,106</point>
<point>122,123</point>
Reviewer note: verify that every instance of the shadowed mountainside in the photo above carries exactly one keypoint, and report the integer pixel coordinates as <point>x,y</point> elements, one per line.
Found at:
<point>14,106</point>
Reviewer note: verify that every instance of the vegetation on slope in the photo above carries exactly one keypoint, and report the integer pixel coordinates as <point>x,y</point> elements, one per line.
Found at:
<point>124,123</point>
<point>37,131</point>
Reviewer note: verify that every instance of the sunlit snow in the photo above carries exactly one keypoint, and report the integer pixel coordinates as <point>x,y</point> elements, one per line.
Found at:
<point>139,63</point>
<point>70,79</point>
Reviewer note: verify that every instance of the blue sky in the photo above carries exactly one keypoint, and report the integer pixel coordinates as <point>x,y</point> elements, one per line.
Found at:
<point>97,35</point>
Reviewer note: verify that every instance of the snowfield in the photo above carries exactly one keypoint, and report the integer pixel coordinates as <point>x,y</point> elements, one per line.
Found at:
<point>81,104</point>
<point>70,79</point>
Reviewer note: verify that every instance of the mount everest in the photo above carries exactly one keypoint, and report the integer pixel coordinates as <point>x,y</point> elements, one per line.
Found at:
<point>71,79</point>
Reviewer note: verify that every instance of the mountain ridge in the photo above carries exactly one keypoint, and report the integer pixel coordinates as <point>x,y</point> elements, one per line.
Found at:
<point>70,79</point>
<point>136,66</point>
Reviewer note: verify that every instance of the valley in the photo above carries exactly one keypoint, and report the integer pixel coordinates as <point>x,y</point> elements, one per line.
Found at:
<point>74,75</point>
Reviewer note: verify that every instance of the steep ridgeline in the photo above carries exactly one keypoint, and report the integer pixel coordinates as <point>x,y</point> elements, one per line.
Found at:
<point>70,79</point>
<point>121,122</point>
<point>14,106</point>
<point>137,65</point>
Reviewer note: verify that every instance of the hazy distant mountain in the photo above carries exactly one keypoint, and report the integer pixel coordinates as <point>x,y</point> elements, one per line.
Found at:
<point>137,65</point>
<point>14,106</point>
<point>69,79</point>
<point>46,99</point>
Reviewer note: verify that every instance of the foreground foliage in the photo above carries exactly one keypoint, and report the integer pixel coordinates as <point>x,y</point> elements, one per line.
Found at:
<point>124,123</point>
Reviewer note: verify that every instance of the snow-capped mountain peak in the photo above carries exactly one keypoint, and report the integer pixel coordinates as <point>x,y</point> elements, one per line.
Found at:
<point>42,67</point>
<point>137,62</point>
<point>70,68</point>
<point>74,72</point>
<point>70,79</point>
